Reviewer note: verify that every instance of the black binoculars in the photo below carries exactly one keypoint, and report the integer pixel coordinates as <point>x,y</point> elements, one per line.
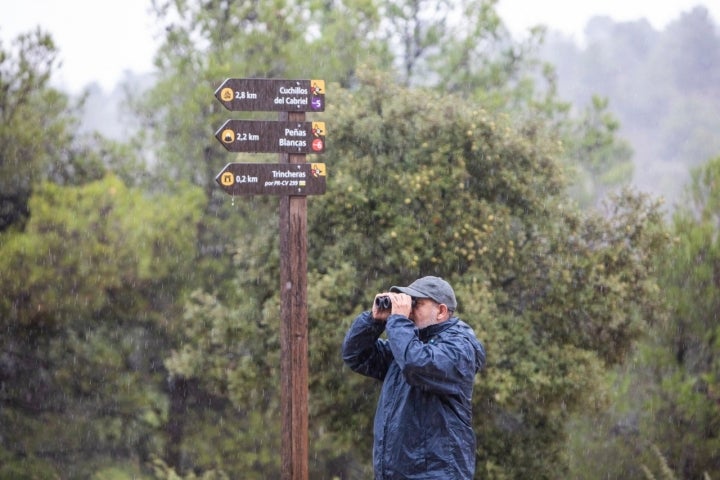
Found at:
<point>384,303</point>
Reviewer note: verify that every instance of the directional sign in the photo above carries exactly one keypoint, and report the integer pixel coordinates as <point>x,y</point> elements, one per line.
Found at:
<point>278,137</point>
<point>273,178</point>
<point>272,95</point>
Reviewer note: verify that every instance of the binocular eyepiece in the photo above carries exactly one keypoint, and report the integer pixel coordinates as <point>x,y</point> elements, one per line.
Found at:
<point>384,303</point>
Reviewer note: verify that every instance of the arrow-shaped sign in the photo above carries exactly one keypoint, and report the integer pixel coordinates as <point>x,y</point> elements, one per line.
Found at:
<point>272,95</point>
<point>273,178</point>
<point>278,137</point>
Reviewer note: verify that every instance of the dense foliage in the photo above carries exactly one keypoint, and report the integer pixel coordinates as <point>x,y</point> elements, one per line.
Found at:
<point>413,198</point>
<point>665,399</point>
<point>683,354</point>
<point>89,290</point>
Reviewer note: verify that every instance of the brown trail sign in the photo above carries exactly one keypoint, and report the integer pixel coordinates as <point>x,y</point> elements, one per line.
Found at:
<point>272,137</point>
<point>271,95</point>
<point>291,98</point>
<point>272,178</point>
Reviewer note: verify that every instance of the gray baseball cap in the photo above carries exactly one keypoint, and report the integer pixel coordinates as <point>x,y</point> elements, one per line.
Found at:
<point>434,288</point>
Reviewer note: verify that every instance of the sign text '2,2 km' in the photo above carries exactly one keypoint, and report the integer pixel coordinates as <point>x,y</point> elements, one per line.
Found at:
<point>272,95</point>
<point>266,136</point>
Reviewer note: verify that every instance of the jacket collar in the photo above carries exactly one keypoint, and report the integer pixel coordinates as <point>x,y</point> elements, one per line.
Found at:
<point>432,330</point>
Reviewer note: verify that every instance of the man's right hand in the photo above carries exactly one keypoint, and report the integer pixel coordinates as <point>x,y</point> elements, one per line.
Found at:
<point>401,304</point>
<point>377,314</point>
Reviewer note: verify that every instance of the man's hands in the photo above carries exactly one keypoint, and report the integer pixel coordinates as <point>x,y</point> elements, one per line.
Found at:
<point>401,305</point>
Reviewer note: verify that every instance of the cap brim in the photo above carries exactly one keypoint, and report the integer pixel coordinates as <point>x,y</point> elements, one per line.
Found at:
<point>408,291</point>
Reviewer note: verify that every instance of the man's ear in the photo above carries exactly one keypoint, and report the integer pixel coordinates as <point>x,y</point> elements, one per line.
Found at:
<point>444,312</point>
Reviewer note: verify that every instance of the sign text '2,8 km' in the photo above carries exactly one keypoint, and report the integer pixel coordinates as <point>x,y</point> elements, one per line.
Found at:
<point>272,95</point>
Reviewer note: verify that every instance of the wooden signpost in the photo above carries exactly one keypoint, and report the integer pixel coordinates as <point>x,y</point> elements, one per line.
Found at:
<point>292,138</point>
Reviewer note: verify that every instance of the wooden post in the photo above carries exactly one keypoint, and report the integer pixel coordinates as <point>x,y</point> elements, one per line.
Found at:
<point>294,325</point>
<point>277,95</point>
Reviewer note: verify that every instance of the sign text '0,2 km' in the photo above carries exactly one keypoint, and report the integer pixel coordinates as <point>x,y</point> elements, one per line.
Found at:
<point>273,178</point>
<point>272,95</point>
<point>269,137</point>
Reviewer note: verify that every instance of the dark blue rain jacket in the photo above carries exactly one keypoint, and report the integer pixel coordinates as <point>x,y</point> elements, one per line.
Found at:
<point>423,423</point>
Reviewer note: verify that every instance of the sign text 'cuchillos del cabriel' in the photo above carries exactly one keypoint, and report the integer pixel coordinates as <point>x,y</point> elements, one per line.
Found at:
<point>273,178</point>
<point>272,95</point>
<point>278,137</point>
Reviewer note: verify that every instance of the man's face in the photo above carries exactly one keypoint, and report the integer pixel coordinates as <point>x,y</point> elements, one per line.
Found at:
<point>425,312</point>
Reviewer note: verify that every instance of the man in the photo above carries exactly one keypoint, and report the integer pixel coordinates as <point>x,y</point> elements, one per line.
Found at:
<point>423,422</point>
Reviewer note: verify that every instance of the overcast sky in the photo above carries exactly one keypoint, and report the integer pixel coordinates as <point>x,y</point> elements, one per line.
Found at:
<point>99,40</point>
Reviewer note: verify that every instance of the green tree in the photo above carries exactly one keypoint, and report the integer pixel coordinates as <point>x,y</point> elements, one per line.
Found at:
<point>39,131</point>
<point>426,183</point>
<point>601,160</point>
<point>477,56</point>
<point>463,47</point>
<point>415,29</point>
<point>90,290</point>
<point>684,352</point>
<point>664,404</point>
<point>35,125</point>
